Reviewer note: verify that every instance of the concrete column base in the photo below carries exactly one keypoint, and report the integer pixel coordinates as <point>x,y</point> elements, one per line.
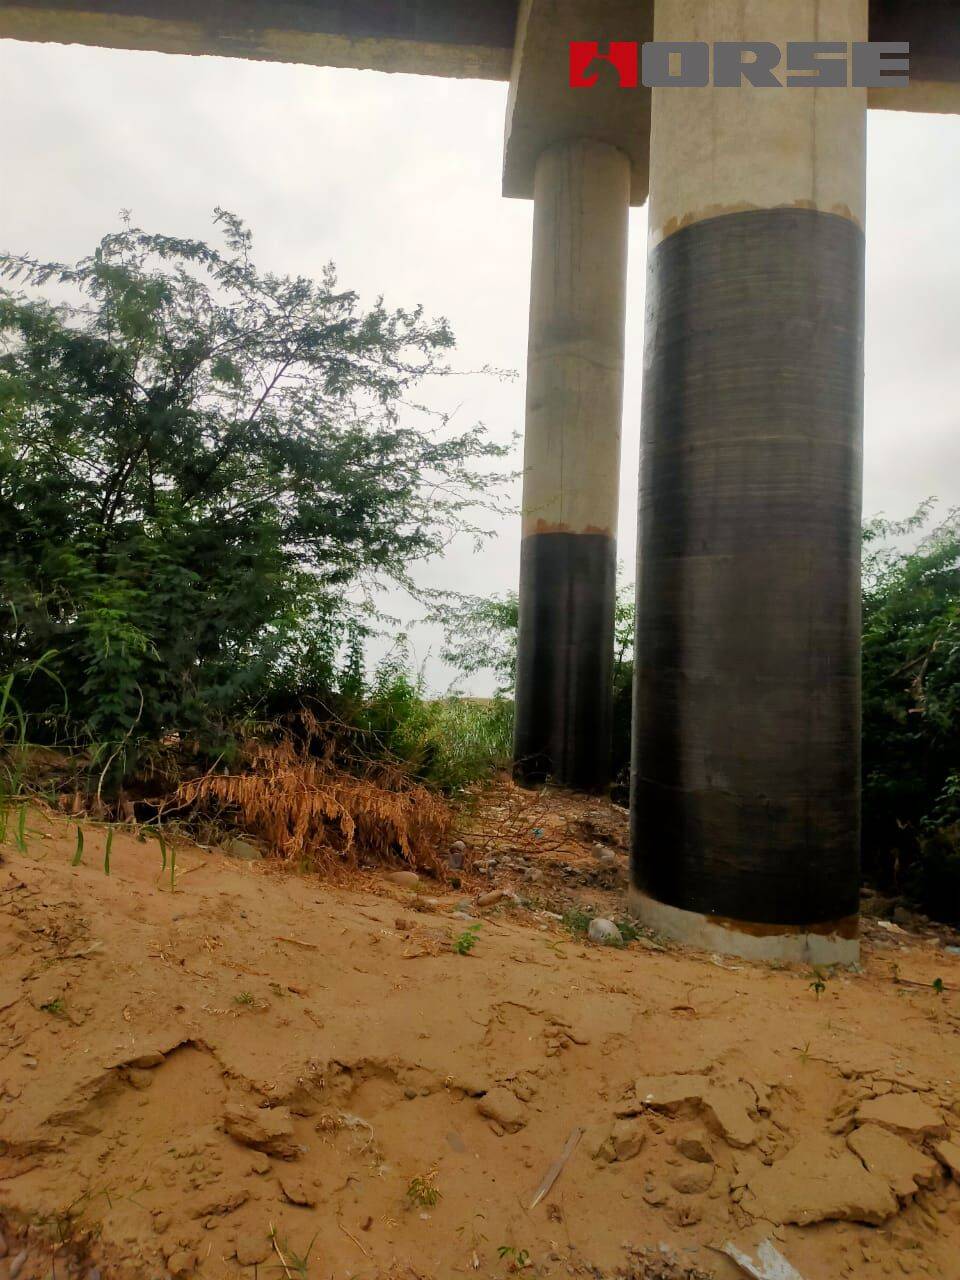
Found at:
<point>838,943</point>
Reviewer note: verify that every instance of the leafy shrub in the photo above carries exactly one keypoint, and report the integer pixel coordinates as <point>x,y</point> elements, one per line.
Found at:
<point>198,463</point>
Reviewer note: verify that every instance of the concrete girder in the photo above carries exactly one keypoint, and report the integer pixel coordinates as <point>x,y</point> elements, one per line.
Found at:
<point>425,37</point>
<point>468,40</point>
<point>543,110</point>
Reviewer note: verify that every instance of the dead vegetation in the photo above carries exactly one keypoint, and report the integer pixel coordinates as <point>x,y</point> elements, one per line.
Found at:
<point>297,798</point>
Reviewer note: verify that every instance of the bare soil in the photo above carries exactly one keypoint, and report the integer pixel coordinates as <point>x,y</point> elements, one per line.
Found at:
<point>265,1072</point>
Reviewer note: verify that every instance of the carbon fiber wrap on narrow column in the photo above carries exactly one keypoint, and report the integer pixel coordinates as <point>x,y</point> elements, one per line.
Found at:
<point>565,658</point>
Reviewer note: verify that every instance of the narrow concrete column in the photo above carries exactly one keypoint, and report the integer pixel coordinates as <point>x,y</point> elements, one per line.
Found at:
<point>745,787</point>
<point>572,464</point>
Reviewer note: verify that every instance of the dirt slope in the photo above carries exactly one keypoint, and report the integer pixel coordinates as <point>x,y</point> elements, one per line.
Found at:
<point>260,1065</point>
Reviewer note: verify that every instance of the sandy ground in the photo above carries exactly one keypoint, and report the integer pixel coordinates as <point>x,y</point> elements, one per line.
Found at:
<point>260,1072</point>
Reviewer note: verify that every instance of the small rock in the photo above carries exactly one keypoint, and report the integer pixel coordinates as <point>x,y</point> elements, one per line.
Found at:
<point>16,1264</point>
<point>182,1263</point>
<point>294,1191</point>
<point>814,1182</point>
<point>693,1181</point>
<point>147,1061</point>
<point>693,1146</point>
<point>410,1094</point>
<point>532,875</point>
<point>260,1164</point>
<point>904,1113</point>
<point>405,879</point>
<point>724,1104</point>
<point>268,1129</point>
<point>139,1079</point>
<point>456,856</point>
<point>493,897</point>
<point>627,1139</point>
<point>503,1108</point>
<point>948,1153</point>
<point>252,1249</point>
<point>223,1202</point>
<point>894,1159</point>
<point>243,850</point>
<point>605,932</point>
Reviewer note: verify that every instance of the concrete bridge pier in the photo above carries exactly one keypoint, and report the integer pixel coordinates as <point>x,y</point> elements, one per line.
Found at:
<point>572,463</point>
<point>745,795</point>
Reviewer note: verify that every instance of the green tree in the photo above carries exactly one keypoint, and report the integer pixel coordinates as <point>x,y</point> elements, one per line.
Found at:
<point>480,634</point>
<point>911,705</point>
<point>204,471</point>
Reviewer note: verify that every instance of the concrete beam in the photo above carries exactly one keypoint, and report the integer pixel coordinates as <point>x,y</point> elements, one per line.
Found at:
<point>468,40</point>
<point>428,37</point>
<point>933,30</point>
<point>543,110</point>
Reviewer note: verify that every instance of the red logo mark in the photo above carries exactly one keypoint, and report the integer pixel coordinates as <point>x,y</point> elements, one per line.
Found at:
<point>622,55</point>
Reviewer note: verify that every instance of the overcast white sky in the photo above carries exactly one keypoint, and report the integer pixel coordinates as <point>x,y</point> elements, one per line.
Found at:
<point>396,178</point>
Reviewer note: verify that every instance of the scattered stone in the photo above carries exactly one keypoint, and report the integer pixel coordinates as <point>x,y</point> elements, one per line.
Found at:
<point>223,1203</point>
<point>268,1129</point>
<point>409,1094</point>
<point>147,1061</point>
<point>693,1181</point>
<point>138,1079</point>
<point>252,1249</point>
<point>894,1159</point>
<point>725,1105</point>
<point>493,897</point>
<point>503,1108</point>
<point>624,1141</point>
<point>815,1182</point>
<point>294,1191</point>
<point>405,879</point>
<point>948,1153</point>
<point>627,1139</point>
<point>182,1263</point>
<point>260,1164</point>
<point>17,1263</point>
<point>243,850</point>
<point>693,1146</point>
<point>532,875</point>
<point>604,932</point>
<point>904,1113</point>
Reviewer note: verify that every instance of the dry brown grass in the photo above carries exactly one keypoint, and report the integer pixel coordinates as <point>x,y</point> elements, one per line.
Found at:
<point>307,808</point>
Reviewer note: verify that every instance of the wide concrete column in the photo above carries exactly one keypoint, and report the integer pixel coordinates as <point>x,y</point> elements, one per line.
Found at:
<point>745,788</point>
<point>571,464</point>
